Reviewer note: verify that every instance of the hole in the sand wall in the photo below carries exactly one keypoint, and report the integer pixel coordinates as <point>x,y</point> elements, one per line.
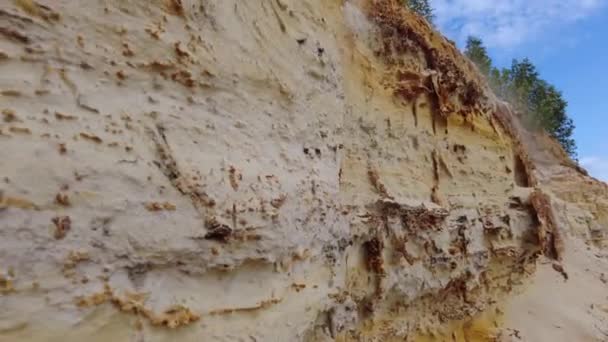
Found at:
<point>415,143</point>
<point>520,174</point>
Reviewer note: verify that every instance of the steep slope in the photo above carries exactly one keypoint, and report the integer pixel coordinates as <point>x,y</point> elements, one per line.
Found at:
<point>552,308</point>
<point>264,170</point>
<point>574,308</point>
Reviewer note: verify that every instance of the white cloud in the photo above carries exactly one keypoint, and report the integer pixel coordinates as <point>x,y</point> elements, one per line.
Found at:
<point>508,23</point>
<point>597,167</point>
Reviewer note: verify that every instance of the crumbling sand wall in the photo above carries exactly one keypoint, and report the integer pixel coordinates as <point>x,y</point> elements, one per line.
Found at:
<point>258,170</point>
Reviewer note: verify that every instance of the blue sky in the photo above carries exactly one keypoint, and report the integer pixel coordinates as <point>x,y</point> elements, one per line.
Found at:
<point>566,39</point>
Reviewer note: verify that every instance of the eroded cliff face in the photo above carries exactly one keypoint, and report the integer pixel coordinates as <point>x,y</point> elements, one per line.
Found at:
<point>264,170</point>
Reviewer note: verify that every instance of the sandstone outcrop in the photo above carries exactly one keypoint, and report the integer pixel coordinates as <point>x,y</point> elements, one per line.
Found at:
<point>264,170</point>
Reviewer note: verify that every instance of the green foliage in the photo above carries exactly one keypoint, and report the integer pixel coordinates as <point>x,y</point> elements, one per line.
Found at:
<point>523,79</point>
<point>422,8</point>
<point>541,103</point>
<point>499,81</point>
<point>478,54</point>
<point>549,112</point>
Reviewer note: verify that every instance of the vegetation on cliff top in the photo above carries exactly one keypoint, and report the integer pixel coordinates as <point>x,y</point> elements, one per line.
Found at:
<point>543,106</point>
<point>422,8</point>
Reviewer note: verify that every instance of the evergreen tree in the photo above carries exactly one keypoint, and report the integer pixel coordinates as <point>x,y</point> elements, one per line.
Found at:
<point>542,105</point>
<point>523,78</point>
<point>499,81</point>
<point>422,8</point>
<point>478,54</point>
<point>548,111</point>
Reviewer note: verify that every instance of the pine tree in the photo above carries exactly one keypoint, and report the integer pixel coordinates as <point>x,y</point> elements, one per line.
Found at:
<point>422,8</point>
<point>499,82</point>
<point>523,77</point>
<point>548,111</point>
<point>479,55</point>
<point>542,105</point>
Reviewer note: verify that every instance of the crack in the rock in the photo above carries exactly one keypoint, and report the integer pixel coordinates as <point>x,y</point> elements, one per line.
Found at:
<point>168,166</point>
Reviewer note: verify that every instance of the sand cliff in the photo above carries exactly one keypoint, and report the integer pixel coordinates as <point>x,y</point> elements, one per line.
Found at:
<point>274,170</point>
